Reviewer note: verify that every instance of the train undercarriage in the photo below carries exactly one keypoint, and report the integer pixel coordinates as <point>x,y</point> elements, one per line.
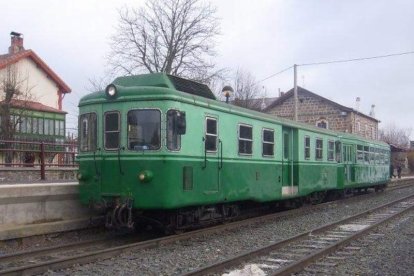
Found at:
<point>121,215</point>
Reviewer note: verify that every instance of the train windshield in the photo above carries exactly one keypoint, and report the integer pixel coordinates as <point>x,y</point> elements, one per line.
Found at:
<point>87,132</point>
<point>144,127</point>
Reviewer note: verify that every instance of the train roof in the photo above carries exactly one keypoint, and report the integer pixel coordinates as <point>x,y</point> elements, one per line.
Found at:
<point>161,86</point>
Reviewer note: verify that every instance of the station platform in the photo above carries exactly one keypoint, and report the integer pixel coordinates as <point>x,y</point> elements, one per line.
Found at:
<point>28,209</point>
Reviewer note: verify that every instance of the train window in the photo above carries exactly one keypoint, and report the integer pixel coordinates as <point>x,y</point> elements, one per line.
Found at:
<point>360,154</point>
<point>331,150</point>
<point>372,155</point>
<point>144,128</point>
<point>319,149</point>
<point>87,131</point>
<point>245,139</point>
<point>211,134</point>
<point>112,130</point>
<point>338,149</point>
<point>173,138</point>
<point>366,154</point>
<point>268,142</point>
<point>387,157</point>
<point>307,147</point>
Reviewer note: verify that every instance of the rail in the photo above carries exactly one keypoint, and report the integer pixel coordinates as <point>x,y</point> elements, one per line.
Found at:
<point>36,154</point>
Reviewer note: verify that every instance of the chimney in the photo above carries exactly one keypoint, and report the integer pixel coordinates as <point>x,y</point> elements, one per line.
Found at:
<point>357,102</point>
<point>16,44</point>
<point>372,112</point>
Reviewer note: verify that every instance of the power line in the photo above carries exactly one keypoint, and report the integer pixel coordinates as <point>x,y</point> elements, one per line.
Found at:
<point>356,59</point>
<point>273,75</point>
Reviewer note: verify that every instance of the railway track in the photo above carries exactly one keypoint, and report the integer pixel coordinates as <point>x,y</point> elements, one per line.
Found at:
<point>63,256</point>
<point>295,254</point>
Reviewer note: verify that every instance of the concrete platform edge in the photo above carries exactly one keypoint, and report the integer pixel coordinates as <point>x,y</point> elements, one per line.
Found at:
<point>22,231</point>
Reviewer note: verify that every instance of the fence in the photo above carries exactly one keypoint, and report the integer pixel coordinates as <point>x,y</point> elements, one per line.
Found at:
<point>37,154</point>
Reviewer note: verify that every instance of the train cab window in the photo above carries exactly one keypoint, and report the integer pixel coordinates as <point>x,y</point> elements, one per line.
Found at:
<point>87,132</point>
<point>307,147</point>
<point>245,139</point>
<point>211,134</point>
<point>144,128</point>
<point>268,142</point>
<point>331,150</point>
<point>173,137</point>
<point>319,149</point>
<point>112,130</point>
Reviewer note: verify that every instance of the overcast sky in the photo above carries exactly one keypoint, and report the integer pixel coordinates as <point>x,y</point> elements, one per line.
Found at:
<point>262,37</point>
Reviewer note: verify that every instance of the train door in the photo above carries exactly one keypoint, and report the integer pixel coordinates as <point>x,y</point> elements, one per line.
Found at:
<point>289,187</point>
<point>210,175</point>
<point>348,162</point>
<point>111,169</point>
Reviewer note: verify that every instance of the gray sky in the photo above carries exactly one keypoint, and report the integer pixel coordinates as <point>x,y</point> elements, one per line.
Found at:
<point>263,38</point>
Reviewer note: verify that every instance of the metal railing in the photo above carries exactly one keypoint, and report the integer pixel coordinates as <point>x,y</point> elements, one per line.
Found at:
<point>37,154</point>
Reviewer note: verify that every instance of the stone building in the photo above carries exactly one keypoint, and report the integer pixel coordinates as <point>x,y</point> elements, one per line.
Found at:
<point>321,112</point>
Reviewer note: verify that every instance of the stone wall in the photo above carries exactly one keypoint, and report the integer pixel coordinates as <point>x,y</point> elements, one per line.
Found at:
<point>25,175</point>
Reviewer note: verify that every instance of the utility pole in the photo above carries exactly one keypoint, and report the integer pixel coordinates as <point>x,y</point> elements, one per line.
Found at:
<point>295,91</point>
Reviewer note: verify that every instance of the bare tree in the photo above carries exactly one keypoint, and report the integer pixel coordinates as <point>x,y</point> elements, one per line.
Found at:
<point>395,135</point>
<point>15,96</point>
<point>96,84</point>
<point>247,93</point>
<point>172,36</point>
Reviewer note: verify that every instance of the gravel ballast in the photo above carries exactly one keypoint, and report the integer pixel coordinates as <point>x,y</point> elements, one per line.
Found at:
<point>184,256</point>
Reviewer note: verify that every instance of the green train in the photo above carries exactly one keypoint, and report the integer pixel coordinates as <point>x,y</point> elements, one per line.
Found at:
<point>158,148</point>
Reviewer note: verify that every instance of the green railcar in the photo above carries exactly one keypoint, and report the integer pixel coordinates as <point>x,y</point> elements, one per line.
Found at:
<point>158,146</point>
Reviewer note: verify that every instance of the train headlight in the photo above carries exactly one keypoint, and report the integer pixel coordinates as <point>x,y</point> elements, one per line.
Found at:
<point>145,176</point>
<point>111,91</point>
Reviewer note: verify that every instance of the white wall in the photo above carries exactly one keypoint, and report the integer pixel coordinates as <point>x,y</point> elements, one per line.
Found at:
<point>42,88</point>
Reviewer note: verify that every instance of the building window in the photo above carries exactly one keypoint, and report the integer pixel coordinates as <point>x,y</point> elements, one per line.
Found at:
<point>322,123</point>
<point>307,147</point>
<point>112,130</point>
<point>35,126</point>
<point>211,134</point>
<point>245,139</point>
<point>57,132</point>
<point>319,149</point>
<point>331,150</point>
<point>41,126</point>
<point>62,128</point>
<point>268,142</point>
<point>23,124</point>
<point>358,127</point>
<point>51,127</point>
